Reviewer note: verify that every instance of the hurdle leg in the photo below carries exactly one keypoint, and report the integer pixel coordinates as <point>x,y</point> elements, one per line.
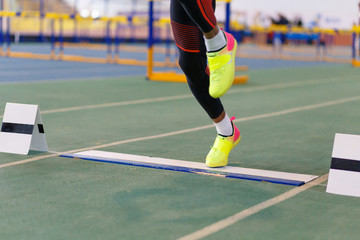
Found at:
<point>108,42</point>
<point>8,38</point>
<point>52,55</point>
<point>61,39</point>
<point>1,36</point>
<point>117,42</point>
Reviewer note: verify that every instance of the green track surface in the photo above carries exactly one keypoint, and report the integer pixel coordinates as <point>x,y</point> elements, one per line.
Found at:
<point>60,198</point>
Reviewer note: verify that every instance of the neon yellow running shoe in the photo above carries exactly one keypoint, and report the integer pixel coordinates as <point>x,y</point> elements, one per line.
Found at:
<point>222,67</point>
<point>218,155</point>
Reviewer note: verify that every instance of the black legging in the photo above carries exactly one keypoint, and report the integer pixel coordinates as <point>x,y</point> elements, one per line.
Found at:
<point>189,18</point>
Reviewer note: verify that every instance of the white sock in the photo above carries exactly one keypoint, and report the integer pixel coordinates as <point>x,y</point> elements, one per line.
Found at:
<point>216,43</point>
<point>224,127</point>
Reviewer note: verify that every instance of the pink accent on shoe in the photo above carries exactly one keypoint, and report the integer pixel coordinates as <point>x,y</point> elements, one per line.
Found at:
<point>236,130</point>
<point>230,41</point>
<point>236,133</point>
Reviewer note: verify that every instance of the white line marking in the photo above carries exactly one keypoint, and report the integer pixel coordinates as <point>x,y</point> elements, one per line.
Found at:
<point>27,160</point>
<point>261,116</point>
<point>185,96</point>
<point>217,226</point>
<point>115,104</point>
<point>290,84</point>
<point>299,109</point>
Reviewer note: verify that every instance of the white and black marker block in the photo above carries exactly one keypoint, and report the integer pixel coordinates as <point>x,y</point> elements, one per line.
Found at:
<point>344,174</point>
<point>22,129</point>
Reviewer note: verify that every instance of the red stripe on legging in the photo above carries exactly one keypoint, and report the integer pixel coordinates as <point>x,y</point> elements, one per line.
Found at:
<point>207,9</point>
<point>188,50</point>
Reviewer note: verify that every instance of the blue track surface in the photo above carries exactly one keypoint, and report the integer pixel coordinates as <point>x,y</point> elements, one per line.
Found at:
<point>23,70</point>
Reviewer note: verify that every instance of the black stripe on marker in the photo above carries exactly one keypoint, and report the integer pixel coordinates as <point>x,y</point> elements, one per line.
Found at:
<point>41,128</point>
<point>345,164</point>
<point>17,128</point>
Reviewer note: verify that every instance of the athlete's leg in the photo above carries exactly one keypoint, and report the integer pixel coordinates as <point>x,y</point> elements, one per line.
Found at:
<point>221,46</point>
<point>193,62</point>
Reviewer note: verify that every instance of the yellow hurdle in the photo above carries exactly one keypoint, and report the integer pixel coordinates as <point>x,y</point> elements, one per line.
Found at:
<point>356,63</point>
